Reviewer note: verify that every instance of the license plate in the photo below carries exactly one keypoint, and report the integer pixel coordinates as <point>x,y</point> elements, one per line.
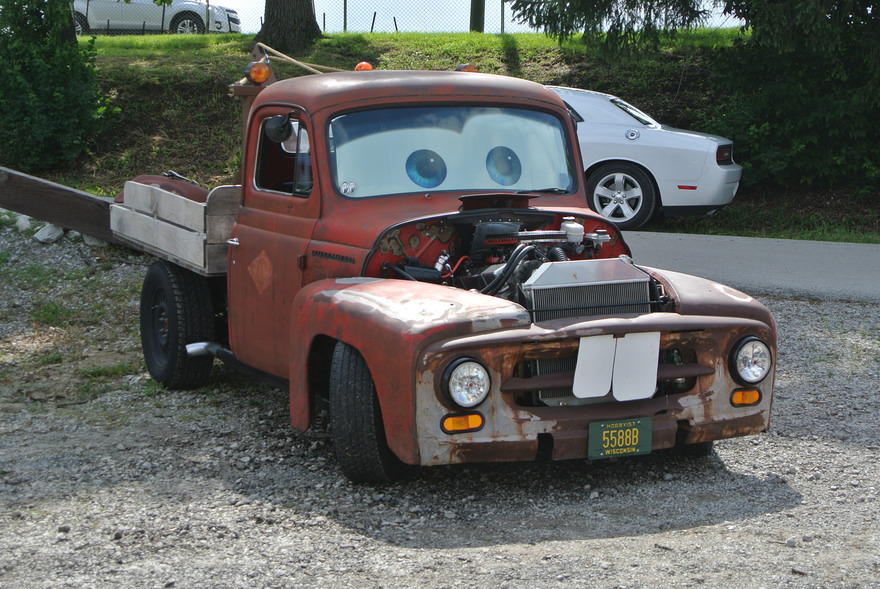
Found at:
<point>626,437</point>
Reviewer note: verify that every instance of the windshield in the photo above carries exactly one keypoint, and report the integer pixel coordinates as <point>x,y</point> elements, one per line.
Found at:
<point>399,150</point>
<point>634,112</point>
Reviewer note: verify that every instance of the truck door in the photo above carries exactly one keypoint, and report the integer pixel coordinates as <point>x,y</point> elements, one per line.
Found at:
<point>270,237</point>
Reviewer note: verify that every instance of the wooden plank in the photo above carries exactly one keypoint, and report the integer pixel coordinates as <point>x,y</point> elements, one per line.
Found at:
<point>177,241</point>
<point>56,203</point>
<point>165,205</point>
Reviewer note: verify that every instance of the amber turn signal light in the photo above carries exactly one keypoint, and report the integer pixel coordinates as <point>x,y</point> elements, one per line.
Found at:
<point>258,72</point>
<point>745,397</point>
<point>462,422</point>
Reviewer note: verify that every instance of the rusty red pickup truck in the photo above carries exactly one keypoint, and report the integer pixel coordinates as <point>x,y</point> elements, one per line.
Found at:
<point>413,251</point>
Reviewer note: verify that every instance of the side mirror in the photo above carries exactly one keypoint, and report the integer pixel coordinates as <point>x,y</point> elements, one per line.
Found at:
<point>278,128</point>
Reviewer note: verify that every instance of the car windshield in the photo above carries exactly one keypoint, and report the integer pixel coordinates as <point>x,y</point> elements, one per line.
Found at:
<point>634,112</point>
<point>459,148</point>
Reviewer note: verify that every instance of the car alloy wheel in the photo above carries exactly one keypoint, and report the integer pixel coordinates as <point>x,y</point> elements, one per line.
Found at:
<point>622,193</point>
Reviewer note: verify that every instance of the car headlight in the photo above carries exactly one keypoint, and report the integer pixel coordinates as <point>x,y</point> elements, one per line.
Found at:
<point>751,361</point>
<point>466,382</point>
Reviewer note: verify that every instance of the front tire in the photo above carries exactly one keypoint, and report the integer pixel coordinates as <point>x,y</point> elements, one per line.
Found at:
<point>623,193</point>
<point>187,23</point>
<point>356,421</point>
<point>176,309</point>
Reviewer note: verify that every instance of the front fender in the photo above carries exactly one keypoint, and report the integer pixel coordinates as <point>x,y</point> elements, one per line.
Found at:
<point>389,322</point>
<point>697,296</point>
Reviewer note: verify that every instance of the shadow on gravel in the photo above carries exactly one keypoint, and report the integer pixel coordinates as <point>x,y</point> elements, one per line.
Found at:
<point>486,505</point>
<point>230,450</point>
<point>515,503</point>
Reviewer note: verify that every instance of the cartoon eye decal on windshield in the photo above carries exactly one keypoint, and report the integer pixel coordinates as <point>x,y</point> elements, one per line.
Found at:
<point>503,165</point>
<point>426,168</point>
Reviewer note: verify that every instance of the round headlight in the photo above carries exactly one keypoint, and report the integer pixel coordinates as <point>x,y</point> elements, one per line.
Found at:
<point>751,361</point>
<point>467,382</point>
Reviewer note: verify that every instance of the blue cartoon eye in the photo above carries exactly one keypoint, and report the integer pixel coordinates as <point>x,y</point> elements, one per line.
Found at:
<point>503,166</point>
<point>426,168</point>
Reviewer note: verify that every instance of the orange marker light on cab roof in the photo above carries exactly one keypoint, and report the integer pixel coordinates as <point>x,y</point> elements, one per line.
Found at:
<point>258,72</point>
<point>465,67</point>
<point>363,66</point>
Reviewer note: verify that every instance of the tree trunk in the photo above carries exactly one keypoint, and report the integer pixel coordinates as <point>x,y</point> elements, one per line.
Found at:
<point>289,25</point>
<point>478,16</point>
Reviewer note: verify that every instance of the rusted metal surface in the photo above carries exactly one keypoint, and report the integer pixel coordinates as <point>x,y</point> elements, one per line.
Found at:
<point>55,203</point>
<point>389,322</point>
<point>175,185</point>
<point>700,414</point>
<point>292,278</point>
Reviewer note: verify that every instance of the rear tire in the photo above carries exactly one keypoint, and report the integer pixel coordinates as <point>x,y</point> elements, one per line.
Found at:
<point>623,193</point>
<point>356,421</point>
<point>176,309</point>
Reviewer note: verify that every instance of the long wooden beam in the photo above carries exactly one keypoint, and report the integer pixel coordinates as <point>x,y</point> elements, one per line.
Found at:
<point>56,204</point>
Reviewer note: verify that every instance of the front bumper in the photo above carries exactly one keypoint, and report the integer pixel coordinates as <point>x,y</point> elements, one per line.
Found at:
<point>517,429</point>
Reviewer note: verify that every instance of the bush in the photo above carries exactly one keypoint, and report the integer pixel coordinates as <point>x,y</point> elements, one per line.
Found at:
<point>800,117</point>
<point>48,87</point>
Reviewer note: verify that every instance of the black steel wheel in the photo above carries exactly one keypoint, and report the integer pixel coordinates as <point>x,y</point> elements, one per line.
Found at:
<point>356,421</point>
<point>187,23</point>
<point>623,193</point>
<point>176,309</point>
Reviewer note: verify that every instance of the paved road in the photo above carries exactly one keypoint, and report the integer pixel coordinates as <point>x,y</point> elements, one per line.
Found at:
<point>815,269</point>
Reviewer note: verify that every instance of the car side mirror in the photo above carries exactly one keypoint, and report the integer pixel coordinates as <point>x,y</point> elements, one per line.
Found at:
<point>278,128</point>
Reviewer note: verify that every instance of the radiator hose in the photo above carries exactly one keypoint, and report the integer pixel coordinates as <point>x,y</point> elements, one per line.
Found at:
<point>518,255</point>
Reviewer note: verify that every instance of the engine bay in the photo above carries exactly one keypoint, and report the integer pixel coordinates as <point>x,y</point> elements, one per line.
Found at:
<point>491,251</point>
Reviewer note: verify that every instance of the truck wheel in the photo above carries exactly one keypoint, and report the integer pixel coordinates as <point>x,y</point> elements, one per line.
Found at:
<point>175,310</point>
<point>356,421</point>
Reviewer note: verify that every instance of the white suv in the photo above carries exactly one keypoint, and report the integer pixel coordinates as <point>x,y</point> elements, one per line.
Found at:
<point>182,16</point>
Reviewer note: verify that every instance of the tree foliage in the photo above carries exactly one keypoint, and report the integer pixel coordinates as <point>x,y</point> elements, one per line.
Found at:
<point>802,90</point>
<point>614,23</point>
<point>48,87</point>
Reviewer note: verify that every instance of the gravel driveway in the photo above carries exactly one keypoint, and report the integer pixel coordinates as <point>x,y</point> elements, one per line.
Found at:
<point>108,481</point>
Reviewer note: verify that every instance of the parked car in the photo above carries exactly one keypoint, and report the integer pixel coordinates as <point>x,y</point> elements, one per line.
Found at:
<point>635,166</point>
<point>182,17</point>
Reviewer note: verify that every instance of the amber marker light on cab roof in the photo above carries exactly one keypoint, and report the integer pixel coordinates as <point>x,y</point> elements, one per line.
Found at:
<point>258,72</point>
<point>745,397</point>
<point>461,422</point>
<point>363,66</point>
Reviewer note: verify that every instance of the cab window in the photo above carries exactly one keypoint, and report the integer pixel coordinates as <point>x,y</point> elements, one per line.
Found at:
<point>285,166</point>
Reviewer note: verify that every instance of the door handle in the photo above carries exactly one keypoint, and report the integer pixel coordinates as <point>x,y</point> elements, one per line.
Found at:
<point>233,242</point>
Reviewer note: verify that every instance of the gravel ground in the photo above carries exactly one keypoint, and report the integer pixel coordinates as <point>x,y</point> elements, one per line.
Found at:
<point>107,480</point>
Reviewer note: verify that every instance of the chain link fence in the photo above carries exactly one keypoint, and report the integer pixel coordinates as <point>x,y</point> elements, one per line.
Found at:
<point>245,16</point>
